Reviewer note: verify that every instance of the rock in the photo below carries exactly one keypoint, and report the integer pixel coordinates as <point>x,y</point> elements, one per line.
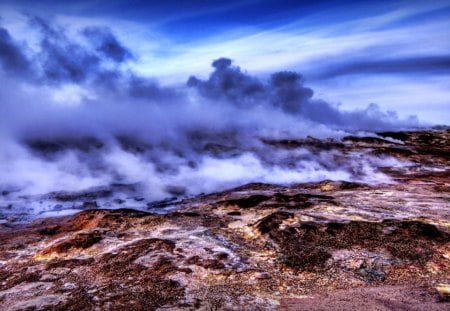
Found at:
<point>444,291</point>
<point>69,287</point>
<point>247,202</point>
<point>371,274</point>
<point>41,303</point>
<point>29,296</point>
<point>262,276</point>
<point>48,277</point>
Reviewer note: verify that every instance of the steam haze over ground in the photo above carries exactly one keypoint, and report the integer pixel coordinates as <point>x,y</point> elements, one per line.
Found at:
<point>97,95</point>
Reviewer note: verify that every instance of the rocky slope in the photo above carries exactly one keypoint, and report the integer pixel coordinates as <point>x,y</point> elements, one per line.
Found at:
<point>326,245</point>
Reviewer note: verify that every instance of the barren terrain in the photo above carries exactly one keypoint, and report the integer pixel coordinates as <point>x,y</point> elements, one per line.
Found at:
<point>313,246</point>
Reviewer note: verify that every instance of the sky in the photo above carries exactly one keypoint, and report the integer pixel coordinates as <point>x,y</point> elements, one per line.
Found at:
<point>395,54</point>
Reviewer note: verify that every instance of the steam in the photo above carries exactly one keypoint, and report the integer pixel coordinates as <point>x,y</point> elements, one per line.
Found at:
<point>73,116</point>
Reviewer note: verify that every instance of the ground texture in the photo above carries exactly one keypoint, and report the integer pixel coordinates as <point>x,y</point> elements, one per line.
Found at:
<point>316,246</point>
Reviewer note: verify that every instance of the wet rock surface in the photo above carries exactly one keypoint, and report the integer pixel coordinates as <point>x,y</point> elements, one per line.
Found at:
<point>324,245</point>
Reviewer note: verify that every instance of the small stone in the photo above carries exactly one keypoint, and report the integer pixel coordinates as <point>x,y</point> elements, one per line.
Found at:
<point>41,302</point>
<point>69,286</point>
<point>326,187</point>
<point>389,230</point>
<point>262,276</point>
<point>48,277</point>
<point>60,271</point>
<point>371,274</point>
<point>444,291</point>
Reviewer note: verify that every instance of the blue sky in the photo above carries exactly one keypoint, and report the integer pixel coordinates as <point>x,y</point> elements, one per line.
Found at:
<point>353,53</point>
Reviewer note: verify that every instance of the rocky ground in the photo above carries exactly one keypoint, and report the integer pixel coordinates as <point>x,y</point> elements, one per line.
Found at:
<point>315,246</point>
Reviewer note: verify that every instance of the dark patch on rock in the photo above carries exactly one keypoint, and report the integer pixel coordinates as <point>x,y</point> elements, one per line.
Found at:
<point>402,136</point>
<point>311,143</point>
<point>256,186</point>
<point>371,274</point>
<point>393,151</point>
<point>213,221</point>
<point>272,222</point>
<point>81,196</point>
<point>234,213</point>
<point>69,263</point>
<point>302,200</point>
<point>191,214</point>
<point>410,249</point>
<point>426,138</point>
<point>163,203</point>
<point>78,241</point>
<point>205,263</point>
<point>247,202</point>
<point>308,245</point>
<point>303,257</point>
<point>347,185</point>
<point>221,256</point>
<point>185,214</point>
<point>49,230</point>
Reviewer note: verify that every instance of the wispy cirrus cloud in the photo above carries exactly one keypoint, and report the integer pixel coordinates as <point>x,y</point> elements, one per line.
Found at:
<point>419,65</point>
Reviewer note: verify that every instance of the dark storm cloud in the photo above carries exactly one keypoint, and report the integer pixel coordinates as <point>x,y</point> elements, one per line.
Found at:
<point>62,59</point>
<point>107,44</point>
<point>229,83</point>
<point>285,90</point>
<point>67,62</point>
<point>12,58</point>
<point>420,64</point>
